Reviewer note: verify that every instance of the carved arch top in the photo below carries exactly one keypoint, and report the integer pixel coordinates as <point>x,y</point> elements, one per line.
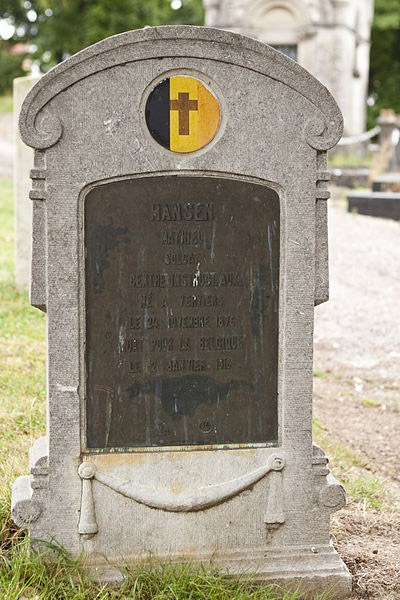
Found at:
<point>177,41</point>
<point>299,10</point>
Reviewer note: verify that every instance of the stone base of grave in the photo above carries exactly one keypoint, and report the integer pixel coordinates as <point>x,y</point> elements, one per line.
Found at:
<point>312,571</point>
<point>375,204</point>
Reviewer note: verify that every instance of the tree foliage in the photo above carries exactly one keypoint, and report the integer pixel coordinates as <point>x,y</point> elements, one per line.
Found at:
<point>10,68</point>
<point>384,78</point>
<point>63,27</point>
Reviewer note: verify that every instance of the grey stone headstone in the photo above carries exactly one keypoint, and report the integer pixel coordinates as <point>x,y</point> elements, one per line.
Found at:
<point>179,248</point>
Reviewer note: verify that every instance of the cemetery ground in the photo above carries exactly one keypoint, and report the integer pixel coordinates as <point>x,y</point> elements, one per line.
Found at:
<point>356,421</point>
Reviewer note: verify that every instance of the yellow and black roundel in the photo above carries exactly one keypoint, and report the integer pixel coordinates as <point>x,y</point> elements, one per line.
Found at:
<point>182,114</point>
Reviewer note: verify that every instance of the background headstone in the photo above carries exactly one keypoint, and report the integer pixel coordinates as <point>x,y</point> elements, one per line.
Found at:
<point>23,162</point>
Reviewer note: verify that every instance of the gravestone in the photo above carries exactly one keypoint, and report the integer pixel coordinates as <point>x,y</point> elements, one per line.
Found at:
<point>23,162</point>
<point>179,248</point>
<point>383,200</point>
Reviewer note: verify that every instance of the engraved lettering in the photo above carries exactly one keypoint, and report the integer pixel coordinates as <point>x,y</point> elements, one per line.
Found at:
<point>149,280</point>
<point>146,301</point>
<point>135,366</point>
<point>183,211</point>
<point>156,212</point>
<point>193,237</point>
<point>180,279</point>
<point>135,322</point>
<point>148,322</point>
<point>188,322</point>
<point>163,344</point>
<point>223,364</point>
<point>200,300</point>
<point>185,344</point>
<point>230,280</point>
<point>225,320</point>
<point>230,342</point>
<point>184,364</point>
<point>131,345</point>
<point>179,258</point>
<point>202,279</point>
<point>151,367</point>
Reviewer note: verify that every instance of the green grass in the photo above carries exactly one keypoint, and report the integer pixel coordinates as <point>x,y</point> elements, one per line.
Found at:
<point>321,374</point>
<point>369,489</point>
<point>35,576</point>
<point>370,402</point>
<point>324,375</point>
<point>22,369</point>
<point>345,159</point>
<point>6,104</point>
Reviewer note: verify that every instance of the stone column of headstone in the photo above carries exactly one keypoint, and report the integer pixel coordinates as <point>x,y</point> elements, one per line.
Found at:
<point>23,162</point>
<point>179,248</point>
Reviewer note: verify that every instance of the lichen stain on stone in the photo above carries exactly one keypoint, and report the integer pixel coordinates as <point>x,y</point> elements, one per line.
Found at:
<point>259,301</point>
<point>181,396</point>
<point>196,276</point>
<point>104,238</point>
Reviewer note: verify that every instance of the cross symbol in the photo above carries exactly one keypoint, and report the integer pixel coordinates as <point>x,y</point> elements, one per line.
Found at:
<point>183,105</point>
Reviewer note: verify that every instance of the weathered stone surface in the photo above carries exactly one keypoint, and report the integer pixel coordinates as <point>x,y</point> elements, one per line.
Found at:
<point>107,197</point>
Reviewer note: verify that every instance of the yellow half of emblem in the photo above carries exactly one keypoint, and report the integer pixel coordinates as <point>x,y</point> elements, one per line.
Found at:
<point>194,114</point>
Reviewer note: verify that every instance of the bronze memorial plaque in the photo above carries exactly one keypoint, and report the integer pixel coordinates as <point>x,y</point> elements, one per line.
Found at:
<point>182,299</point>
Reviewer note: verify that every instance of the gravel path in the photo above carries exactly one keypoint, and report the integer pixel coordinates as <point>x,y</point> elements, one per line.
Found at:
<point>357,392</point>
<point>359,327</point>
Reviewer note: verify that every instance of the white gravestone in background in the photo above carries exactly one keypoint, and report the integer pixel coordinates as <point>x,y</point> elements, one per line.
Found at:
<point>23,162</point>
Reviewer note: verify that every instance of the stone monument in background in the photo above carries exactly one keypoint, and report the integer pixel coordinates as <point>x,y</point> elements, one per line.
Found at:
<point>23,162</point>
<point>179,248</point>
<point>329,38</point>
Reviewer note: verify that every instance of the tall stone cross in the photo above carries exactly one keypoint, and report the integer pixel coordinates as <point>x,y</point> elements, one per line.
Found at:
<point>183,105</point>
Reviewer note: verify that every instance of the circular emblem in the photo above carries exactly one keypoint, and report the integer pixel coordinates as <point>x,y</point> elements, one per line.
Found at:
<point>182,114</point>
<point>205,426</point>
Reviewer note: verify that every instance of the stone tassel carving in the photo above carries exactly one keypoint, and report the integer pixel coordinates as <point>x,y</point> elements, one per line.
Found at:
<point>274,515</point>
<point>87,522</point>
